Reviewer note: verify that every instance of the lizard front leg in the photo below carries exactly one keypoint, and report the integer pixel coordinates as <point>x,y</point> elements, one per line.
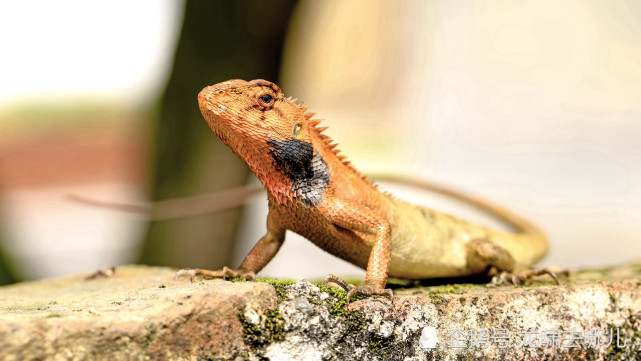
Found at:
<point>356,217</point>
<point>264,250</point>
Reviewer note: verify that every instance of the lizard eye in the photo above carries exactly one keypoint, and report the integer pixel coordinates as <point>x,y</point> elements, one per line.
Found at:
<point>265,102</point>
<point>266,98</point>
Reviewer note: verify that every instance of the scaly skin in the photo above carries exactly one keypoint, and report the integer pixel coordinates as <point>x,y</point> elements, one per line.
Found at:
<point>315,193</point>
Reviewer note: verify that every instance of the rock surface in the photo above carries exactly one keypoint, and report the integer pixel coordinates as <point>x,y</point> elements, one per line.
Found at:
<point>141,313</point>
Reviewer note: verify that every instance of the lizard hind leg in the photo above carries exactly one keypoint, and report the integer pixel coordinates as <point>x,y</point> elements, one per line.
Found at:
<point>486,257</point>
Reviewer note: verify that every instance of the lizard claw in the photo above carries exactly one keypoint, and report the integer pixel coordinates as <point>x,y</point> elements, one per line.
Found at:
<point>106,272</point>
<point>364,290</point>
<point>225,273</point>
<point>191,272</point>
<point>339,282</point>
<point>518,278</point>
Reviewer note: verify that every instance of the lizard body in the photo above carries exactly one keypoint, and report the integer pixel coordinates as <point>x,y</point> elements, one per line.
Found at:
<point>314,192</point>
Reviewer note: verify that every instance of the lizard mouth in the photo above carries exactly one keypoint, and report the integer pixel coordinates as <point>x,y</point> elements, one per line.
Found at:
<point>207,104</point>
<point>213,112</point>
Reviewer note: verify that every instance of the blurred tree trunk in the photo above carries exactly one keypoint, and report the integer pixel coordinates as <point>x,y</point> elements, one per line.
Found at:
<point>7,275</point>
<point>220,40</point>
<point>8,272</point>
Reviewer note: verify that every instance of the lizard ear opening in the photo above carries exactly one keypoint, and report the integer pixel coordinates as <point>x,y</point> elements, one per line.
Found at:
<point>297,129</point>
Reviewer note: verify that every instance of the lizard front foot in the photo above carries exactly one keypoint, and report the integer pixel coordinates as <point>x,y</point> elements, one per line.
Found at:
<point>518,278</point>
<point>225,273</point>
<point>364,290</point>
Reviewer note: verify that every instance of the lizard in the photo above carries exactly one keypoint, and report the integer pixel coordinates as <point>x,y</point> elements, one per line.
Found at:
<point>314,191</point>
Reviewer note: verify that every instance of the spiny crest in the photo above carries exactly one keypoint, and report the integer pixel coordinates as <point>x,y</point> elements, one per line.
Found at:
<point>329,143</point>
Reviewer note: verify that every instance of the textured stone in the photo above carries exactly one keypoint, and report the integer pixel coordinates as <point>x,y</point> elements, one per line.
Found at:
<point>141,313</point>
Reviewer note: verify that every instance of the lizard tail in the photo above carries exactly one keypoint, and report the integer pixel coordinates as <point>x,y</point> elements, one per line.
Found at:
<point>519,224</point>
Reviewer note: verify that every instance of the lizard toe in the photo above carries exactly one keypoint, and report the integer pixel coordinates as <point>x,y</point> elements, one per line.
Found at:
<point>225,273</point>
<point>369,291</point>
<point>338,281</point>
<point>189,272</point>
<point>521,277</point>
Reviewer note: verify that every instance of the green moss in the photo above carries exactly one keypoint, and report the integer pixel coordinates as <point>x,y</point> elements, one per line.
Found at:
<point>633,319</point>
<point>453,289</point>
<point>627,334</point>
<point>276,282</point>
<point>279,285</point>
<point>614,352</point>
<point>379,344</point>
<point>436,299</point>
<point>315,301</point>
<point>151,329</point>
<point>209,356</point>
<point>354,318</point>
<point>581,353</point>
<point>272,328</point>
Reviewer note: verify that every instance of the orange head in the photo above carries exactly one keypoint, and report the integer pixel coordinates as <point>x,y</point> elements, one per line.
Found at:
<point>271,133</point>
<point>241,111</point>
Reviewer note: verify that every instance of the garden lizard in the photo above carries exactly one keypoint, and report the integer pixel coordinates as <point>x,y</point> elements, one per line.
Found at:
<point>313,191</point>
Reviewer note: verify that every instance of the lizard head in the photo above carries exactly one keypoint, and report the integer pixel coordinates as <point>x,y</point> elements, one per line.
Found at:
<point>274,135</point>
<point>271,133</point>
<point>243,113</point>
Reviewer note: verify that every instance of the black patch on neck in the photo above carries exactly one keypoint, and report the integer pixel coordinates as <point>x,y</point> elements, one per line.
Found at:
<point>309,172</point>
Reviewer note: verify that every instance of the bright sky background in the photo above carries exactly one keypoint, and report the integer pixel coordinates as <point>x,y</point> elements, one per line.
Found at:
<point>117,49</point>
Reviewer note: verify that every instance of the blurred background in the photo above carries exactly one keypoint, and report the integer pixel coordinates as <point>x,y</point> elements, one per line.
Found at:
<point>533,105</point>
